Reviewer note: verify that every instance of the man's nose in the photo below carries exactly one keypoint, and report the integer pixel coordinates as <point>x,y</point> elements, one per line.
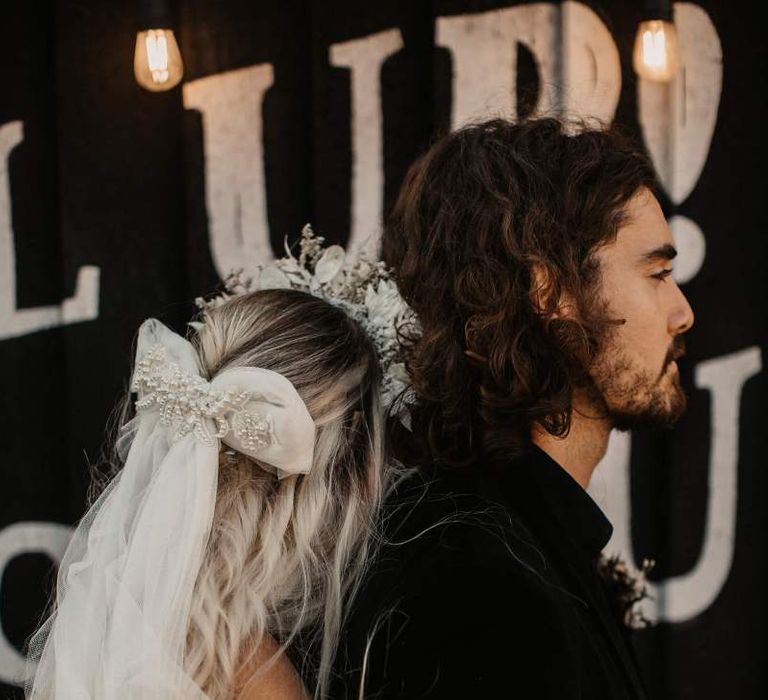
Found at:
<point>682,317</point>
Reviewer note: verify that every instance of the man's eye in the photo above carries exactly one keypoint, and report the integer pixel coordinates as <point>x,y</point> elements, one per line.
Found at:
<point>664,273</point>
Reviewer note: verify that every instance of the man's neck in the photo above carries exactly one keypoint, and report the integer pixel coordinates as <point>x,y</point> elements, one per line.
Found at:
<point>584,446</point>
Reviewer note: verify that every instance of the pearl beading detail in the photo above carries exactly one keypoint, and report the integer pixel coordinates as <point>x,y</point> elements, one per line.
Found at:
<point>188,403</point>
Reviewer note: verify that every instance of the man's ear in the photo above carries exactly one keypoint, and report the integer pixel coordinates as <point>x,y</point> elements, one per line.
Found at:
<point>542,291</point>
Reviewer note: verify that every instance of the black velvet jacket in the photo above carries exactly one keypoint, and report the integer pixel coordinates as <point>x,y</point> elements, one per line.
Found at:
<point>489,589</point>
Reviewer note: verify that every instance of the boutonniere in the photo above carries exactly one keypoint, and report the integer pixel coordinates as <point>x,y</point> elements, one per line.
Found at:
<point>629,586</point>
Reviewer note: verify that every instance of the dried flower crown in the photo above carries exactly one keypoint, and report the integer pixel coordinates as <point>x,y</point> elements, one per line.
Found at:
<point>364,288</point>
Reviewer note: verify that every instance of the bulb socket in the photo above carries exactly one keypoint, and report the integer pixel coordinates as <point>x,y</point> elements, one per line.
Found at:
<point>154,14</point>
<point>656,9</point>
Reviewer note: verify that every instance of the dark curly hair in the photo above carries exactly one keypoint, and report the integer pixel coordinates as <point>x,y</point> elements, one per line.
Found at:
<point>476,213</point>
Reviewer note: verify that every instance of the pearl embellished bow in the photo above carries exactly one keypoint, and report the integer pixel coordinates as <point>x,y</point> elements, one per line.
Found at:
<point>188,403</point>
<point>253,410</point>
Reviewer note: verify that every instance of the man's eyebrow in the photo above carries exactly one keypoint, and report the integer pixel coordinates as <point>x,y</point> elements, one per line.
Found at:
<point>665,252</point>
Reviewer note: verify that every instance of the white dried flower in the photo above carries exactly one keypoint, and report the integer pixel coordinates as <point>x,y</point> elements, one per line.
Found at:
<point>629,587</point>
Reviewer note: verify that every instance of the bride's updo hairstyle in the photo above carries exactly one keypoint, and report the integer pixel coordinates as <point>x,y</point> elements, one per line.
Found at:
<point>285,554</point>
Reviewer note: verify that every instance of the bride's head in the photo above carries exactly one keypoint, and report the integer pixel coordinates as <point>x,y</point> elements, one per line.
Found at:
<point>285,554</point>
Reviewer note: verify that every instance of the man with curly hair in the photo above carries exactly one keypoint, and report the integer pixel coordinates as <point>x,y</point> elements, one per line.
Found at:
<point>537,258</point>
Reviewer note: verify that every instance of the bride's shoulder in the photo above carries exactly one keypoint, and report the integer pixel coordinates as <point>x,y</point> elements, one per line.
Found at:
<point>277,681</point>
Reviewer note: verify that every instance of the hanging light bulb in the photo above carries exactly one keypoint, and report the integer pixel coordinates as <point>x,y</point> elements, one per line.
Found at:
<point>157,62</point>
<point>656,55</point>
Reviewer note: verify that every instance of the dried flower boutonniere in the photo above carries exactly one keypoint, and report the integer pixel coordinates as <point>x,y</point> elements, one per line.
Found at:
<point>629,586</point>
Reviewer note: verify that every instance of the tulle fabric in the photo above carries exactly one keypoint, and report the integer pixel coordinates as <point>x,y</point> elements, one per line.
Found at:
<point>125,584</point>
<point>126,580</point>
<point>130,568</point>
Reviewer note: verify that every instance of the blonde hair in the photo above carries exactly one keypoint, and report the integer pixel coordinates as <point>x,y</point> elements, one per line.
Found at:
<point>286,556</point>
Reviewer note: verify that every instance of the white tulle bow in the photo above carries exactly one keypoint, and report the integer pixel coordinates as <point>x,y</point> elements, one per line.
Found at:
<point>126,581</point>
<point>253,410</point>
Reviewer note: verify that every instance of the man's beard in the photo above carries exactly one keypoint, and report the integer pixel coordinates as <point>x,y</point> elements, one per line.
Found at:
<point>632,398</point>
